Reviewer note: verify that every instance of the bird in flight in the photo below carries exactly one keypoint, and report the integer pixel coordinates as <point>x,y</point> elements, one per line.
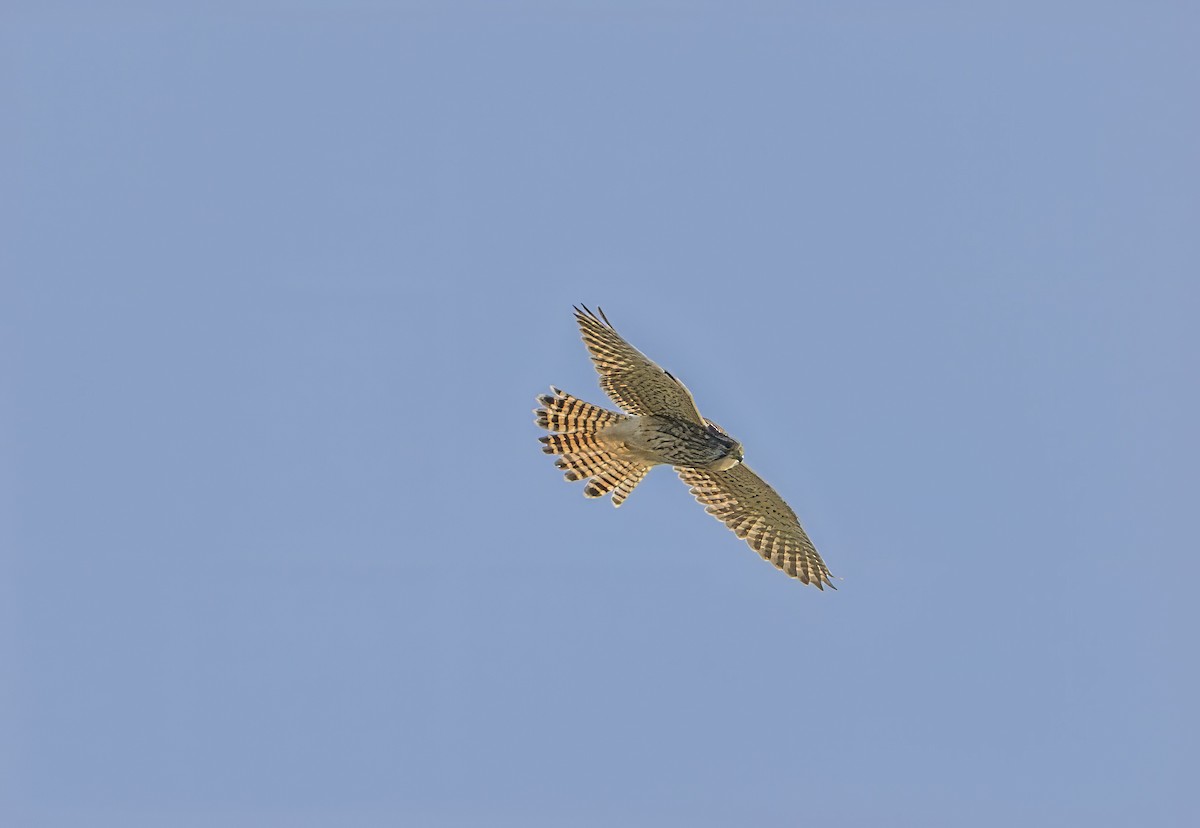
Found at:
<point>659,424</point>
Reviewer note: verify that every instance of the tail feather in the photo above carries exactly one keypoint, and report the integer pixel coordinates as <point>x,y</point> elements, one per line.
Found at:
<point>568,415</point>
<point>609,479</point>
<point>628,483</point>
<point>583,454</point>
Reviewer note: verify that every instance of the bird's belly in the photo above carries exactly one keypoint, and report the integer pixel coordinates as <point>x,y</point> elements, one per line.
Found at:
<point>670,442</point>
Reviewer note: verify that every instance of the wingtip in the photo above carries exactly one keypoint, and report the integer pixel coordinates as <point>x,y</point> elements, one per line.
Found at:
<point>822,580</point>
<point>585,314</point>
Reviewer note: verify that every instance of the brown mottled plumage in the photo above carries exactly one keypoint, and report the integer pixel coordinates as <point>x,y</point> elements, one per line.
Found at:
<point>662,426</point>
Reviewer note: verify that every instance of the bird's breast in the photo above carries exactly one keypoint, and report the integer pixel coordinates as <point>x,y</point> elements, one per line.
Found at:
<point>672,442</point>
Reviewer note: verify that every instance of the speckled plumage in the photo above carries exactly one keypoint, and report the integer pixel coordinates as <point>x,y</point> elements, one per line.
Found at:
<point>661,425</point>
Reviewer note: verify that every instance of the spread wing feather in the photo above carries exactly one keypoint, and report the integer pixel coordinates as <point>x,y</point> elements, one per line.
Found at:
<point>630,378</point>
<point>754,511</point>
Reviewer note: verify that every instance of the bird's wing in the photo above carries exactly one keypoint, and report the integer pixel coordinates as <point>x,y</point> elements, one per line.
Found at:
<point>753,510</point>
<point>630,378</point>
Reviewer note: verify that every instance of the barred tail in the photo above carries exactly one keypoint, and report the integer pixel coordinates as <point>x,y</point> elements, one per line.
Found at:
<point>583,453</point>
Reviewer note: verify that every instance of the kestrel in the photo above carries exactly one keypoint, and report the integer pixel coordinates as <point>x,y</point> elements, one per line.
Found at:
<point>660,425</point>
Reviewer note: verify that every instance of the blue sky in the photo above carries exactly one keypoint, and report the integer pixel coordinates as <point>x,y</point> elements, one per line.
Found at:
<point>281,283</point>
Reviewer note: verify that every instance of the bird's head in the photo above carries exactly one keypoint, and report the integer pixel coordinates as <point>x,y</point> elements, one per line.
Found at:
<point>733,449</point>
